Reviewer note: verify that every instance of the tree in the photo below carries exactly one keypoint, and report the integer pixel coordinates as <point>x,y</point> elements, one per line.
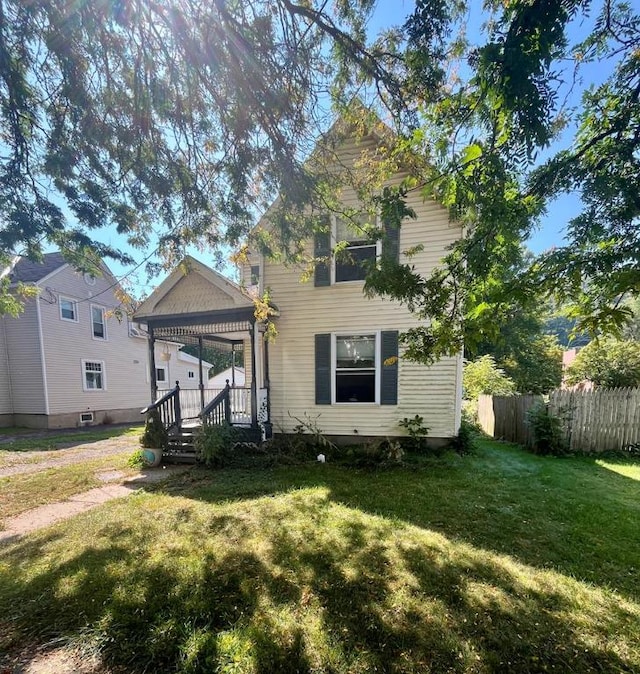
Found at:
<point>172,122</point>
<point>608,363</point>
<point>484,376</point>
<point>484,132</point>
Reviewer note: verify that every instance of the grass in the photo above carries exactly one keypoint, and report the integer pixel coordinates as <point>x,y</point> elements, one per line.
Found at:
<point>502,561</point>
<point>20,493</point>
<point>56,440</point>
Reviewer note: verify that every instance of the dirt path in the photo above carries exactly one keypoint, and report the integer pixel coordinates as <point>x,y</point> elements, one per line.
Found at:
<point>20,463</point>
<point>49,514</point>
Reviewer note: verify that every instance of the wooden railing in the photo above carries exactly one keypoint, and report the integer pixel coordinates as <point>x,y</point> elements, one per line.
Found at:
<point>218,411</point>
<point>191,403</point>
<point>168,406</point>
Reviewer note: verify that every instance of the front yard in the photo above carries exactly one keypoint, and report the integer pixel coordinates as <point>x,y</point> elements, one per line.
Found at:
<point>501,561</point>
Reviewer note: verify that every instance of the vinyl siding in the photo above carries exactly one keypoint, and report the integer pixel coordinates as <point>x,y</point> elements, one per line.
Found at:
<point>25,368</point>
<point>6,405</point>
<point>306,310</point>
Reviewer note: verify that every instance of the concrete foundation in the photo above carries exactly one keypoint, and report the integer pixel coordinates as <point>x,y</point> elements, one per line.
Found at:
<point>72,419</point>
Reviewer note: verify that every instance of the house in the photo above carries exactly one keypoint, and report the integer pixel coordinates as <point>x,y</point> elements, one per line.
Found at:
<point>233,375</point>
<point>67,360</point>
<point>336,359</point>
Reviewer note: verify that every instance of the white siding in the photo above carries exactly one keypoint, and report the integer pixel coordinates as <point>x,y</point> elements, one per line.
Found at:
<point>6,405</point>
<point>25,362</point>
<point>67,344</point>
<point>306,310</point>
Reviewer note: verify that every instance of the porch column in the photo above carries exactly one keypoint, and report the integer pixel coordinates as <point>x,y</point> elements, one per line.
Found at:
<point>267,382</point>
<point>201,385</point>
<point>254,390</point>
<point>233,366</point>
<point>152,365</point>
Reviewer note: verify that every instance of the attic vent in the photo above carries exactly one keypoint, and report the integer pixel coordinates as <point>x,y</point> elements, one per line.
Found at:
<point>86,418</point>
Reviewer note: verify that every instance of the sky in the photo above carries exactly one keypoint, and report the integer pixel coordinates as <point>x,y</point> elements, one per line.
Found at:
<point>388,13</point>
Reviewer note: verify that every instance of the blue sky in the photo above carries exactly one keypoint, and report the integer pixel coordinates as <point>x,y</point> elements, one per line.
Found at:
<point>389,13</point>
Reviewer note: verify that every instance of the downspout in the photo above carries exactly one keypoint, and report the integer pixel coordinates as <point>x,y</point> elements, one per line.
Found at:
<point>6,356</point>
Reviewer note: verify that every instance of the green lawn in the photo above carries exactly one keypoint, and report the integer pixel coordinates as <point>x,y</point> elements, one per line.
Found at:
<point>502,561</point>
<point>58,439</point>
<point>19,493</point>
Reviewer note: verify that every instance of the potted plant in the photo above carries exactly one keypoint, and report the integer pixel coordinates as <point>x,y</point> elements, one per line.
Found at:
<point>153,440</point>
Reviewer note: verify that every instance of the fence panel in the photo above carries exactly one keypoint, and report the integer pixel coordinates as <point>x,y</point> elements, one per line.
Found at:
<point>600,420</point>
<point>505,417</point>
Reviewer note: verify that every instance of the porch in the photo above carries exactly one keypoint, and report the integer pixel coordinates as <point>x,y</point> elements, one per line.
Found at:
<point>200,308</point>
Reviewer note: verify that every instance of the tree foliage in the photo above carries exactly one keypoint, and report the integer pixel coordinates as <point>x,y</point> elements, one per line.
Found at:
<point>176,123</point>
<point>608,363</point>
<point>484,376</point>
<point>171,122</point>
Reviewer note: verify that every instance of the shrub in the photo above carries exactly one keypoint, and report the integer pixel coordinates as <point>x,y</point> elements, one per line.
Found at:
<point>155,435</point>
<point>417,432</point>
<point>136,460</point>
<point>465,441</point>
<point>547,431</point>
<point>215,443</point>
<point>484,376</point>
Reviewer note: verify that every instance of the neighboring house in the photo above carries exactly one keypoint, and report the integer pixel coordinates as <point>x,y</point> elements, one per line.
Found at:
<point>68,361</point>
<point>335,359</point>
<point>235,377</point>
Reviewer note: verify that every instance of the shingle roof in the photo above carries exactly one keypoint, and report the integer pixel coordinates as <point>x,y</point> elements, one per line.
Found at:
<point>28,271</point>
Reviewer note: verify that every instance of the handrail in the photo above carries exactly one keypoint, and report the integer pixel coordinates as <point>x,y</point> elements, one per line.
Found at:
<point>168,407</point>
<point>161,400</point>
<point>221,400</point>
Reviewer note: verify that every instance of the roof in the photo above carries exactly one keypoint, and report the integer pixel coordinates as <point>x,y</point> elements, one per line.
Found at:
<point>191,288</point>
<point>30,271</point>
<point>188,358</point>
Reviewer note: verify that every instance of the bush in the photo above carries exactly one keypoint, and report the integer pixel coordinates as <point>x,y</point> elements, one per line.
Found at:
<point>465,441</point>
<point>417,432</point>
<point>547,431</point>
<point>484,376</point>
<point>155,435</point>
<point>215,444</point>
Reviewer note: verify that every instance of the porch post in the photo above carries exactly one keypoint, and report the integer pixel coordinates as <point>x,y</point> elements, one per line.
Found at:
<point>233,365</point>
<point>152,365</point>
<point>201,385</point>
<point>254,391</point>
<point>267,383</point>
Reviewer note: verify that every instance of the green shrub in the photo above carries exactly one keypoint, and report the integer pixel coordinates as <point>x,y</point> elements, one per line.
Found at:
<point>215,444</point>
<point>547,431</point>
<point>155,435</point>
<point>136,460</point>
<point>417,432</point>
<point>465,441</point>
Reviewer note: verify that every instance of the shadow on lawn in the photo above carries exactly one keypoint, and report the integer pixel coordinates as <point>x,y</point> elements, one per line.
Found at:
<point>305,585</point>
<point>566,514</point>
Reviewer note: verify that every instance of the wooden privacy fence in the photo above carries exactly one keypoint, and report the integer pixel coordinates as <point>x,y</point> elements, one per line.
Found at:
<point>592,421</point>
<point>505,417</point>
<point>600,420</point>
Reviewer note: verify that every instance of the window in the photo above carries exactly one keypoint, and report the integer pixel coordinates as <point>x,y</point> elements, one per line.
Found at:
<point>68,310</point>
<point>98,326</point>
<point>355,358</point>
<point>191,374</point>
<point>361,251</point>
<point>94,375</point>
<point>161,374</point>
<point>255,275</point>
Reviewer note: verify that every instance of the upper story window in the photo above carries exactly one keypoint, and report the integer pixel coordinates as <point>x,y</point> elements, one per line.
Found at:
<point>93,375</point>
<point>191,374</point>
<point>352,262</point>
<point>98,323</point>
<point>68,309</point>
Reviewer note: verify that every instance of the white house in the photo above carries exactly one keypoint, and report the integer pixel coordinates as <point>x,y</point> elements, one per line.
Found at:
<point>337,356</point>
<point>67,360</point>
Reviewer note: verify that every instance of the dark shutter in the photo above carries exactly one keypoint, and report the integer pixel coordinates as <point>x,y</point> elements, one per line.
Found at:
<point>322,248</point>
<point>389,378</point>
<point>323,369</point>
<point>391,242</point>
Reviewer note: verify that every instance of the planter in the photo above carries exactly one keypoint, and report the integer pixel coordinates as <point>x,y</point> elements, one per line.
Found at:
<point>152,457</point>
